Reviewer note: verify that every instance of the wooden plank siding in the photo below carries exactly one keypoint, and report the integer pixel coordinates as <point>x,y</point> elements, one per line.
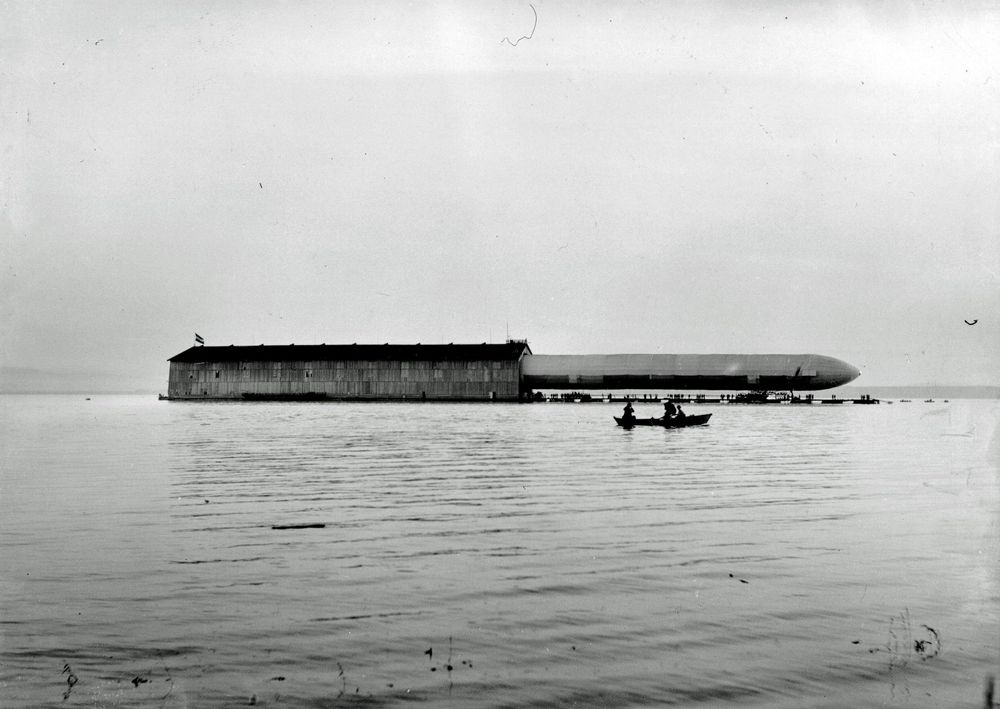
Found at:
<point>384,379</point>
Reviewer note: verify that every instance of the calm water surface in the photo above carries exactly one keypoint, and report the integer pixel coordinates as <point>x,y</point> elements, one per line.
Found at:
<point>495,555</point>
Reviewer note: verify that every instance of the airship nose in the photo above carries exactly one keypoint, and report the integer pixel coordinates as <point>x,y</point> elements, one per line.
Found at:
<point>835,372</point>
<point>845,372</point>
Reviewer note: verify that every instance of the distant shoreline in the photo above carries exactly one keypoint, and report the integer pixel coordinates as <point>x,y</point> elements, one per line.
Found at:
<point>922,392</point>
<point>848,392</point>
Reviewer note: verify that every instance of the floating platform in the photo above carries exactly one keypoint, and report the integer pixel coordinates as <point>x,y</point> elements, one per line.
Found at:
<point>700,399</point>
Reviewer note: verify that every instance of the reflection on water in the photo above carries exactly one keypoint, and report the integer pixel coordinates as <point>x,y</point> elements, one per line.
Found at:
<point>494,555</point>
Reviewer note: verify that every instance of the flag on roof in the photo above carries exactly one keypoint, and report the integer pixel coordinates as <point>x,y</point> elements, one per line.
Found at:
<point>199,339</point>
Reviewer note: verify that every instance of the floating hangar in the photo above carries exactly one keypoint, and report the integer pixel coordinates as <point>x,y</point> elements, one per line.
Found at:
<point>470,372</point>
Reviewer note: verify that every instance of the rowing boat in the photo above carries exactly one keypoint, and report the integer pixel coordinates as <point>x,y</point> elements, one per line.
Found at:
<point>676,422</point>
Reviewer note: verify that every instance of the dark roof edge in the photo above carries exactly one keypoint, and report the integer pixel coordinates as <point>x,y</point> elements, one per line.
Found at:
<point>451,351</point>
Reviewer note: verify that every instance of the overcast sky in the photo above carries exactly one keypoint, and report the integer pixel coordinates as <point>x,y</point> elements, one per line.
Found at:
<point>618,177</point>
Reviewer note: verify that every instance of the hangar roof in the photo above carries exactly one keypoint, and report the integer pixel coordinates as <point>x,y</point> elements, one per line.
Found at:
<point>511,350</point>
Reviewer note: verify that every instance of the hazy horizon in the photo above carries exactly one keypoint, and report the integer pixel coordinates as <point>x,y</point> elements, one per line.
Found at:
<point>694,177</point>
<point>26,380</point>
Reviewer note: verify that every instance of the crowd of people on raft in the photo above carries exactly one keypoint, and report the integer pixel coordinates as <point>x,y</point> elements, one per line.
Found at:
<point>670,412</point>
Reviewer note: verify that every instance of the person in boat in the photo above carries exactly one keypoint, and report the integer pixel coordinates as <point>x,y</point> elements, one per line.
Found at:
<point>628,414</point>
<point>680,412</point>
<point>669,411</point>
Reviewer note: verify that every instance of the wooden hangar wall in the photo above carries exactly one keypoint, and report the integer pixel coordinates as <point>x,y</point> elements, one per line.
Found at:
<point>435,374</point>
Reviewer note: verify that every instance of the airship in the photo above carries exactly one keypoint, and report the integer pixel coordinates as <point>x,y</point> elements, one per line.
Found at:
<point>738,372</point>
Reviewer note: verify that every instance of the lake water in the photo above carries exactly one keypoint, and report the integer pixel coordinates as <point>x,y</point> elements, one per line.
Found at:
<point>496,555</point>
